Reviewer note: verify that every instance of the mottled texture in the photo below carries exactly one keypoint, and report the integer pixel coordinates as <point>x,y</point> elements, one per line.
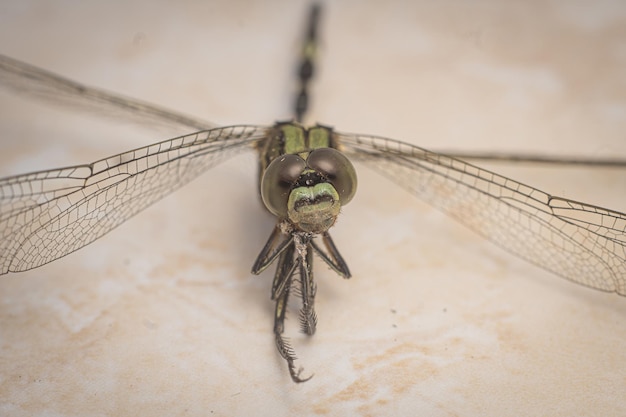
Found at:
<point>162,316</point>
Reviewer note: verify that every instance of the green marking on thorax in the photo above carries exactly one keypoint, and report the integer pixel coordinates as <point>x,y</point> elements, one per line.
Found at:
<point>298,140</point>
<point>294,138</point>
<point>319,137</point>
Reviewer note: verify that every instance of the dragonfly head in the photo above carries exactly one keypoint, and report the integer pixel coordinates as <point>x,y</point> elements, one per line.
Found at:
<point>311,192</point>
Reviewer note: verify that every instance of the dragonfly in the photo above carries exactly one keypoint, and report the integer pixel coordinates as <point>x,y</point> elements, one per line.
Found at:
<point>306,176</point>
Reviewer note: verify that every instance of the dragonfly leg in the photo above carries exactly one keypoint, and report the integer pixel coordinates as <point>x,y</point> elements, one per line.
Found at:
<point>331,256</point>
<point>281,287</point>
<point>308,318</point>
<point>276,244</point>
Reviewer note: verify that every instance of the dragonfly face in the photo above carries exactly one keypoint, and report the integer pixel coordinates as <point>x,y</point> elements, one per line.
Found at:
<point>308,181</point>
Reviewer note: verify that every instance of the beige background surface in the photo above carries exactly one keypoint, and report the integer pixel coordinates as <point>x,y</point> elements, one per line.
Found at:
<point>162,317</point>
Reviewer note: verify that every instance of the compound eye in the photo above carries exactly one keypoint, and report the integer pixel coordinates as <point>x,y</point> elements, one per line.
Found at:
<point>278,181</point>
<point>337,170</point>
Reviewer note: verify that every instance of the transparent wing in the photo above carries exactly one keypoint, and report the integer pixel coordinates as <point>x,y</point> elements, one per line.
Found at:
<point>46,215</point>
<point>578,241</point>
<point>47,86</point>
<point>57,90</point>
